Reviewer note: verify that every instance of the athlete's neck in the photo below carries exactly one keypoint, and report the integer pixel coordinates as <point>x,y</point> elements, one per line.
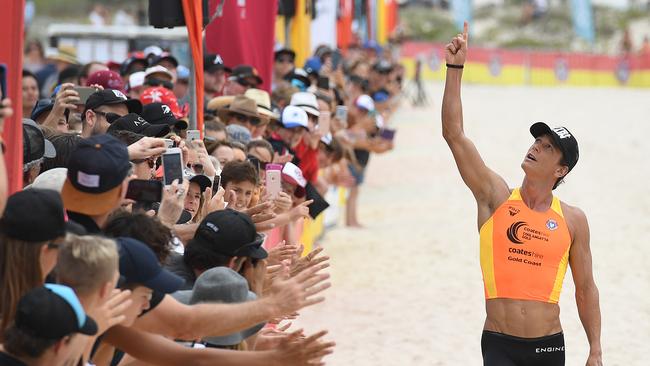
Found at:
<point>538,196</point>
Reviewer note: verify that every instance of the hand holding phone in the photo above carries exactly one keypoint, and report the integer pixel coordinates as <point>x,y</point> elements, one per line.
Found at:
<point>324,122</point>
<point>387,134</point>
<point>193,135</point>
<point>83,93</point>
<point>172,162</point>
<point>273,182</point>
<point>341,113</point>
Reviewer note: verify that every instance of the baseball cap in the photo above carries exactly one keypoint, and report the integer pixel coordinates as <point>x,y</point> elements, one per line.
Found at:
<point>307,101</point>
<point>138,264</point>
<point>45,105</point>
<point>126,69</point>
<point>35,145</point>
<point>162,114</point>
<point>313,65</point>
<point>112,97</point>
<point>292,174</point>
<point>159,94</point>
<point>164,56</point>
<point>136,79</point>
<point>238,133</point>
<point>293,117</point>
<point>230,233</point>
<point>562,138</point>
<point>365,102</point>
<point>96,170</point>
<point>284,51</point>
<point>52,179</point>
<point>52,312</point>
<point>202,180</point>
<point>383,66</point>
<point>182,72</point>
<point>152,50</point>
<point>298,78</point>
<point>134,123</point>
<point>34,215</point>
<point>106,78</point>
<point>214,62</point>
<point>158,70</point>
<point>245,71</point>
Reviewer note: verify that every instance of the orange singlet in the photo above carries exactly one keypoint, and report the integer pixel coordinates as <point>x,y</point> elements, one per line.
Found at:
<point>524,253</point>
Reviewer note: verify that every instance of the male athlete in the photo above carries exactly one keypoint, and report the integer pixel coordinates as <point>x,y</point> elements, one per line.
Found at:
<point>528,237</point>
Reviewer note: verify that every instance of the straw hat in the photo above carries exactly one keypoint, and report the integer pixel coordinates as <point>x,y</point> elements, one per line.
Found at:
<point>220,102</point>
<point>241,105</point>
<point>65,54</point>
<point>263,101</point>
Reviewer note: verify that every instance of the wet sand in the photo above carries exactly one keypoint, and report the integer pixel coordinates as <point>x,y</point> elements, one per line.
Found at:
<point>407,289</point>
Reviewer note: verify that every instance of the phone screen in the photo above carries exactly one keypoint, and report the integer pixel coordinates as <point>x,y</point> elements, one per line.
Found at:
<point>387,134</point>
<point>216,184</point>
<point>323,82</point>
<point>336,59</point>
<point>172,166</point>
<point>142,190</point>
<point>193,135</point>
<point>342,113</point>
<point>324,122</point>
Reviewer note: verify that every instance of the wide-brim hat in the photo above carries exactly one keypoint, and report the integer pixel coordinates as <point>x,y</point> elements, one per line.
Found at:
<point>222,285</point>
<point>263,101</point>
<point>65,54</point>
<point>221,102</point>
<point>242,105</point>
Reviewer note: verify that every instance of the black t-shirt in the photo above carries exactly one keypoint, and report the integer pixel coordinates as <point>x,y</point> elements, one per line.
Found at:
<point>86,222</point>
<point>8,360</point>
<point>178,267</point>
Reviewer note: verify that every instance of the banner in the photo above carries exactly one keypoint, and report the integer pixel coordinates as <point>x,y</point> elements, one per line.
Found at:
<point>583,23</point>
<point>244,34</point>
<point>300,30</point>
<point>461,11</point>
<point>11,39</point>
<point>323,27</point>
<point>344,24</point>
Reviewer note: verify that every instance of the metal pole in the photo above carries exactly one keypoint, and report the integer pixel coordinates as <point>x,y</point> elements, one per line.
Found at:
<point>193,111</point>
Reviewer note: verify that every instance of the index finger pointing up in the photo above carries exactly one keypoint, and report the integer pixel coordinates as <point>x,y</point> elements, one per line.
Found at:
<point>466,32</point>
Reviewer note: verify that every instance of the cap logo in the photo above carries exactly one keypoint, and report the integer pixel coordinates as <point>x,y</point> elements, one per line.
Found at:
<point>562,132</point>
<point>166,109</point>
<point>119,94</point>
<point>212,227</point>
<point>88,180</point>
<point>218,60</point>
<point>155,96</point>
<point>139,121</point>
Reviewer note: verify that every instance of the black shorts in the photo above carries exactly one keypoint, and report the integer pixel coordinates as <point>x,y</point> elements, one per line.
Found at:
<point>504,350</point>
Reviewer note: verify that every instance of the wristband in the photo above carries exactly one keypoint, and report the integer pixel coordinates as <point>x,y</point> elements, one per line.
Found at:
<point>452,66</point>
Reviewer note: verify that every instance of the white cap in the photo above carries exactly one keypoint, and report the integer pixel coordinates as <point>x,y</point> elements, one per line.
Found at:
<point>293,175</point>
<point>136,79</point>
<point>155,50</point>
<point>306,101</point>
<point>365,102</point>
<point>293,117</point>
<point>51,179</point>
<point>327,139</point>
<point>158,70</point>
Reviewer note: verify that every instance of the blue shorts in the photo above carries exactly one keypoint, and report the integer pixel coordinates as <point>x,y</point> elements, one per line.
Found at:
<point>357,173</point>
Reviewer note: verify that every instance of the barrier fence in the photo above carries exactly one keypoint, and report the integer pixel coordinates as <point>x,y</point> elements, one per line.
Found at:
<point>536,68</point>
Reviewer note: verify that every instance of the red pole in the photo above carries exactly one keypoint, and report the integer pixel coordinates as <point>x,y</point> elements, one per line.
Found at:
<point>11,54</point>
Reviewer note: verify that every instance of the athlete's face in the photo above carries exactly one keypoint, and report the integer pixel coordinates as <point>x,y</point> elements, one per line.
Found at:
<point>544,159</point>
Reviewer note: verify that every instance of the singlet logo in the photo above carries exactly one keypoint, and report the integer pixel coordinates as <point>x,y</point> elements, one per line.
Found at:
<point>512,232</point>
<point>551,224</point>
<point>513,210</point>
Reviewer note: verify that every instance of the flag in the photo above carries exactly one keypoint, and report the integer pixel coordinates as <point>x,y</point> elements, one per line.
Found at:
<point>583,23</point>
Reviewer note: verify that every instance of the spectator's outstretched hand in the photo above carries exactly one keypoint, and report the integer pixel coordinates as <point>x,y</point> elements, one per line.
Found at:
<point>173,201</point>
<point>288,295</point>
<point>281,253</point>
<point>146,147</point>
<point>311,260</point>
<point>296,350</point>
<point>112,312</point>
<point>456,50</point>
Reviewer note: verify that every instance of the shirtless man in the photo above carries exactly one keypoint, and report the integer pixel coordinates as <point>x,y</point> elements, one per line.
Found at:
<point>528,237</point>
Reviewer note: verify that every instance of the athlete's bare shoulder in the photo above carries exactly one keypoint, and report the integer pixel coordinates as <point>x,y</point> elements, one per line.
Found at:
<point>575,218</point>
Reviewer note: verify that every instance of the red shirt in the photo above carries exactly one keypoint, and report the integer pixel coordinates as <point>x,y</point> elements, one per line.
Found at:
<point>308,161</point>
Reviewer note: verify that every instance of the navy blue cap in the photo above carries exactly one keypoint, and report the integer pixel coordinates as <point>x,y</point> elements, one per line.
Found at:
<point>229,232</point>
<point>96,170</point>
<point>52,312</point>
<point>139,265</point>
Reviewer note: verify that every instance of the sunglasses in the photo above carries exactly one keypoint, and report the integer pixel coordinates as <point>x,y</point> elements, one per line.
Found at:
<point>53,245</point>
<point>149,161</point>
<point>157,82</point>
<point>284,60</point>
<point>244,118</point>
<point>108,116</point>
<point>245,83</point>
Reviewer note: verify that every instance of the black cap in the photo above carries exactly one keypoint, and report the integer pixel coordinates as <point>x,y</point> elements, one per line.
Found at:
<point>96,170</point>
<point>230,233</point>
<point>383,66</point>
<point>139,265</point>
<point>298,74</point>
<point>164,56</point>
<point>134,123</point>
<point>202,180</point>
<point>245,71</point>
<point>112,97</point>
<point>125,68</point>
<point>30,209</point>
<point>52,312</point>
<point>214,62</point>
<point>562,138</point>
<point>161,114</point>
<point>35,145</point>
<point>284,51</point>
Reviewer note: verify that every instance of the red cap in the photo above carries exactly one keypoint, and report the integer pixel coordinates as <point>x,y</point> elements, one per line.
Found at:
<point>106,78</point>
<point>159,94</point>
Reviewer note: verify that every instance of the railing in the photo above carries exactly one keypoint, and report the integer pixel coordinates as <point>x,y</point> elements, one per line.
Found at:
<point>536,68</point>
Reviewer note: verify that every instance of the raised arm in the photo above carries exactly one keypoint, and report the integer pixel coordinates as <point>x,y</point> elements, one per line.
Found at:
<point>587,298</point>
<point>487,187</point>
